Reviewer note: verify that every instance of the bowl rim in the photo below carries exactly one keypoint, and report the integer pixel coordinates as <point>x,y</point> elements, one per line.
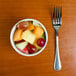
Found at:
<point>13,44</point>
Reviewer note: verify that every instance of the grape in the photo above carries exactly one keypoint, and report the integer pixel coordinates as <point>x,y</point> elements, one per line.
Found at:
<point>41,42</point>
<point>31,48</point>
<point>22,25</point>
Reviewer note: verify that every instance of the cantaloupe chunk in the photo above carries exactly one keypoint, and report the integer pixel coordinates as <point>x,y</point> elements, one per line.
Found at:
<point>30,27</point>
<point>38,31</point>
<point>17,35</point>
<point>28,36</point>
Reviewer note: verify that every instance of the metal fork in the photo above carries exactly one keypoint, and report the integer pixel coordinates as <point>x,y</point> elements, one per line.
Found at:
<point>57,21</point>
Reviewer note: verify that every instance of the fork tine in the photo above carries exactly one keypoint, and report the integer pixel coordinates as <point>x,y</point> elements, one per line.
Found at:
<point>61,15</point>
<point>54,15</point>
<point>54,12</point>
<point>58,15</point>
<point>61,11</point>
<point>58,12</point>
<point>56,21</point>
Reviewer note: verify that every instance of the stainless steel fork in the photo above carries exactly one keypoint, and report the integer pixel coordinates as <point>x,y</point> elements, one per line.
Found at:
<point>57,21</point>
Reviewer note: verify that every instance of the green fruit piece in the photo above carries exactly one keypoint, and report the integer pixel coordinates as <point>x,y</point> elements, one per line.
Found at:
<point>38,48</point>
<point>21,45</point>
<point>35,23</point>
<point>43,36</point>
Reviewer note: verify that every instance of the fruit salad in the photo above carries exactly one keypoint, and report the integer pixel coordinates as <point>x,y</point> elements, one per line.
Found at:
<point>29,37</point>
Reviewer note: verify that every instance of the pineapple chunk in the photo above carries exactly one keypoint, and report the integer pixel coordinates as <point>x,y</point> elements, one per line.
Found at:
<point>28,36</point>
<point>21,45</point>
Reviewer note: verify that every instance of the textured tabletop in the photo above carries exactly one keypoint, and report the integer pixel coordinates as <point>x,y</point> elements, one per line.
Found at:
<point>13,64</point>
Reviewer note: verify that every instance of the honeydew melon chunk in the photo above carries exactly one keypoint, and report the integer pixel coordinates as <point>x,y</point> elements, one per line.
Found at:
<point>21,45</point>
<point>43,36</point>
<point>28,36</point>
<point>38,47</point>
<point>35,23</point>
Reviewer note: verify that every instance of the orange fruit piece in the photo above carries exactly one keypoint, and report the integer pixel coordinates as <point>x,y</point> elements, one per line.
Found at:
<point>38,31</point>
<point>30,27</point>
<point>17,35</point>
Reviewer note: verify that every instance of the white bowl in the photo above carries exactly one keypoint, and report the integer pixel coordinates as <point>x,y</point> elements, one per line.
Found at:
<point>13,44</point>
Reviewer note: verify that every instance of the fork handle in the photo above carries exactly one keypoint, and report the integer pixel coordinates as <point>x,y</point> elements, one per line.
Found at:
<point>57,62</point>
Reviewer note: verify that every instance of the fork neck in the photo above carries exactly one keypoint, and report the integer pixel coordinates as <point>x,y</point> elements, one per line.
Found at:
<point>56,33</point>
